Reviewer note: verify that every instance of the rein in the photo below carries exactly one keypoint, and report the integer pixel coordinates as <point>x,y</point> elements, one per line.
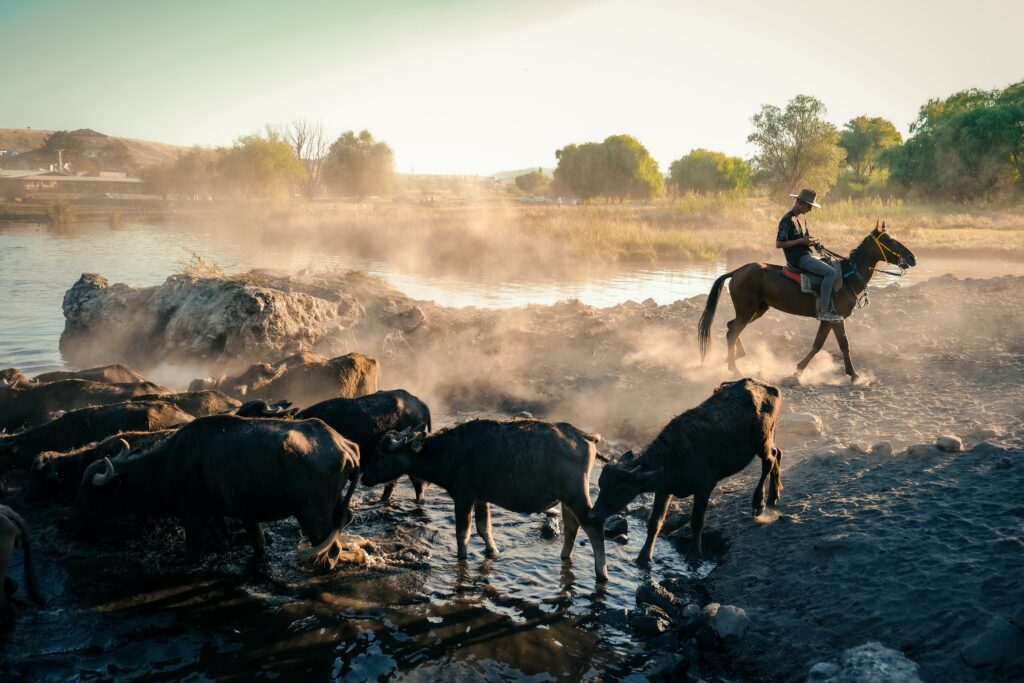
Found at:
<point>883,250</point>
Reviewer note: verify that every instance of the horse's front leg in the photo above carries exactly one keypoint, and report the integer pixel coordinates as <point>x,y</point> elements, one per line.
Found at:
<point>844,346</point>
<point>819,341</point>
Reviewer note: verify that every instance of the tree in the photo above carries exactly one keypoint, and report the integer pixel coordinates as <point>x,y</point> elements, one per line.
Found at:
<point>310,144</point>
<point>969,145</point>
<point>62,145</point>
<point>620,167</point>
<point>260,166</point>
<point>864,139</point>
<point>796,147</point>
<point>192,175</point>
<point>704,171</point>
<point>359,165</point>
<point>533,182</point>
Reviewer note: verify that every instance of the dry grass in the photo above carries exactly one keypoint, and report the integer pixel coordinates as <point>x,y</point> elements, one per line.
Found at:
<point>691,227</point>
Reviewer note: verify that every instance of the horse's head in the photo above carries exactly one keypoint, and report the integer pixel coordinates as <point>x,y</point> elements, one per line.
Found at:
<point>890,249</point>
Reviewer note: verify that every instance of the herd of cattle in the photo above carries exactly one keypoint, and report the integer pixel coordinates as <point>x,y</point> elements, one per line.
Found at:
<point>107,442</point>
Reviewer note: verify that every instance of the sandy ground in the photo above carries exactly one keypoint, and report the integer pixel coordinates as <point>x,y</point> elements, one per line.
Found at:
<point>921,552</point>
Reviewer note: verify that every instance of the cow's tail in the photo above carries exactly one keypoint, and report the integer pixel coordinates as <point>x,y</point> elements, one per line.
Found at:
<point>31,585</point>
<point>708,317</point>
<point>342,516</point>
<point>430,427</point>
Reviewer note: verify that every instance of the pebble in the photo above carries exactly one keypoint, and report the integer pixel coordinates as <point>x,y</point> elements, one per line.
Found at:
<point>651,592</point>
<point>949,444</point>
<point>882,449</point>
<point>726,621</point>
<point>871,663</point>
<point>802,424</point>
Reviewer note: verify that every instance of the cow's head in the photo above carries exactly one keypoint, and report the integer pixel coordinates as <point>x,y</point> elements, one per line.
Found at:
<point>102,491</point>
<point>621,482</point>
<point>393,456</point>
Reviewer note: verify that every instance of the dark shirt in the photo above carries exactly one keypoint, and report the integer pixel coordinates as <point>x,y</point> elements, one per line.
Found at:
<point>789,229</point>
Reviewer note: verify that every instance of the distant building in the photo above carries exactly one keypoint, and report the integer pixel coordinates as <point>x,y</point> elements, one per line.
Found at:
<point>28,183</point>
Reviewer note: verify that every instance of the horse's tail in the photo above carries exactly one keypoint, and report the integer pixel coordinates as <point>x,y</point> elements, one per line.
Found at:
<point>704,326</point>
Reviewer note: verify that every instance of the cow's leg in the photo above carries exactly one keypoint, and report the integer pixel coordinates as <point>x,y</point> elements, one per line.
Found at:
<point>482,511</point>
<point>419,485</point>
<point>767,463</point>
<point>570,527</point>
<point>700,506</point>
<point>194,525</point>
<point>844,346</point>
<point>775,491</point>
<point>8,537</point>
<point>389,490</point>
<point>254,530</point>
<point>463,516</point>
<point>819,340</point>
<point>658,511</point>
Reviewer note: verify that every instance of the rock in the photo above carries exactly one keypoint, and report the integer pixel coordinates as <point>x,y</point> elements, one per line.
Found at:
<point>187,319</point>
<point>802,424</point>
<point>728,622</point>
<point>882,449</point>
<point>789,382</point>
<point>999,646</point>
<point>615,525</point>
<point>691,610</point>
<point>949,444</point>
<point>653,593</point>
<point>649,622</point>
<point>667,666</point>
<point>874,663</point>
<point>923,450</point>
<point>823,672</point>
<point>857,448</point>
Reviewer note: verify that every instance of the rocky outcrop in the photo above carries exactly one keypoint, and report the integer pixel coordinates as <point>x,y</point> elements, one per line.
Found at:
<point>190,319</point>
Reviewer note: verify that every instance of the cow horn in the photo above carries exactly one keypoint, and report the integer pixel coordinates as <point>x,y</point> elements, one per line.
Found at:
<point>103,478</point>
<point>6,382</point>
<point>125,449</point>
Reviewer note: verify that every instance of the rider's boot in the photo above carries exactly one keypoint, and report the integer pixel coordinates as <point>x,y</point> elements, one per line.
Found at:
<point>829,317</point>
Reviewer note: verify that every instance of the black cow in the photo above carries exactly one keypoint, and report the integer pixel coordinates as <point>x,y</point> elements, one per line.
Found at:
<point>694,452</point>
<point>365,420</point>
<point>304,378</point>
<point>59,474</point>
<point>79,427</point>
<point>257,470</point>
<point>196,403</point>
<point>14,533</point>
<point>106,374</point>
<point>33,404</point>
<point>523,465</point>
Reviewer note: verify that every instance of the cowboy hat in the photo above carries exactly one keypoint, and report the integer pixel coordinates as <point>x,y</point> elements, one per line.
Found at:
<point>807,197</point>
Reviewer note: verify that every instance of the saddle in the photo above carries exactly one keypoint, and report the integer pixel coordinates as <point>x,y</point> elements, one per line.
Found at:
<point>809,282</point>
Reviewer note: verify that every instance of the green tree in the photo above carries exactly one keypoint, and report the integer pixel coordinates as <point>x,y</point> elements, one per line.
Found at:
<point>796,146</point>
<point>534,182</point>
<point>260,166</point>
<point>359,165</point>
<point>193,175</point>
<point>620,167</point>
<point>864,139</point>
<point>969,145</point>
<point>61,144</point>
<point>705,171</point>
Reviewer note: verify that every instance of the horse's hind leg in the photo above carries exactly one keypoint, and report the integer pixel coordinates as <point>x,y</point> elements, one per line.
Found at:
<point>732,339</point>
<point>819,341</point>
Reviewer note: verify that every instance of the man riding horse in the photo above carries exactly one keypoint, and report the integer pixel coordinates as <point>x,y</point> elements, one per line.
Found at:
<point>756,287</point>
<point>795,241</point>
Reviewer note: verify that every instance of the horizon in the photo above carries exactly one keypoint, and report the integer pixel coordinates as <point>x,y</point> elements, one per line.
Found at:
<point>453,87</point>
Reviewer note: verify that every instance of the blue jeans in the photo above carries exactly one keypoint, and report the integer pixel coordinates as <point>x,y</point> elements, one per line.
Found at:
<point>819,267</point>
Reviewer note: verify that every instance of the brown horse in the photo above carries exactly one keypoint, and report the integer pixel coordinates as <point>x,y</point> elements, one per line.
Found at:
<point>756,287</point>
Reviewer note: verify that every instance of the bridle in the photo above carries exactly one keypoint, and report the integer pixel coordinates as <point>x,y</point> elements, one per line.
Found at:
<point>884,250</point>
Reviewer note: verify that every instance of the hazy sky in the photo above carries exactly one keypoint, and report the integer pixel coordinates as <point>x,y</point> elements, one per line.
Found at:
<point>477,86</point>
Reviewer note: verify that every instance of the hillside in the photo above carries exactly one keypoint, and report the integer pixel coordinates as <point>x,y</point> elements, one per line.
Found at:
<point>144,152</point>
